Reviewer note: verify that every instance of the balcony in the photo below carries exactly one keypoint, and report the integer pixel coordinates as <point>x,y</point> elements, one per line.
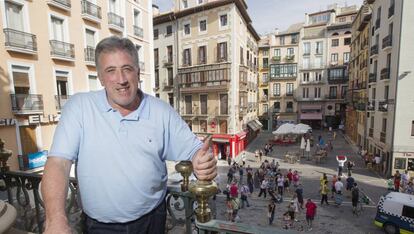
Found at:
<point>18,41</point>
<point>115,22</point>
<point>391,10</point>
<point>387,42</point>
<point>139,32</point>
<point>168,85</point>
<point>385,74</point>
<point>372,78</point>
<point>167,62</point>
<point>91,12</point>
<point>60,101</point>
<point>276,58</point>
<point>371,132</point>
<point>383,106</point>
<point>289,110</point>
<point>371,106</point>
<point>332,97</point>
<point>313,66</point>
<point>216,78</point>
<point>264,98</point>
<point>27,103</point>
<point>312,82</point>
<point>338,80</point>
<point>307,53</point>
<point>141,66</point>
<point>90,56</point>
<point>360,106</point>
<point>374,50</point>
<point>377,23</point>
<point>61,4</point>
<point>383,136</point>
<point>289,58</point>
<point>62,50</point>
<point>242,110</point>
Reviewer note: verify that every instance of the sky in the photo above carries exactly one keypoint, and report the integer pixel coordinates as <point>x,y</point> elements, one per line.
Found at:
<point>267,15</point>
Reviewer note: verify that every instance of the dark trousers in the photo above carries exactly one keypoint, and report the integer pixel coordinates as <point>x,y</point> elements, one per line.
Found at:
<point>262,191</point>
<point>324,198</point>
<point>153,222</point>
<point>340,170</point>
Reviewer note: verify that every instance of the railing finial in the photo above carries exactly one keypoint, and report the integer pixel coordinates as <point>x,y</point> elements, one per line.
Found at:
<point>4,156</point>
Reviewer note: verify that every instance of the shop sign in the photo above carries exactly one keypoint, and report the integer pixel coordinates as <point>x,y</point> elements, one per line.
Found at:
<point>408,154</point>
<point>8,122</point>
<point>37,119</point>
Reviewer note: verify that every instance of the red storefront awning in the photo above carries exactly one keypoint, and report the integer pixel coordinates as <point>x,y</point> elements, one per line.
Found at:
<point>311,116</point>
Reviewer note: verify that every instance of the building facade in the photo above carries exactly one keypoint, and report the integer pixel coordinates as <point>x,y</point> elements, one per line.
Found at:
<point>390,123</point>
<point>264,114</point>
<point>216,77</point>
<point>47,51</point>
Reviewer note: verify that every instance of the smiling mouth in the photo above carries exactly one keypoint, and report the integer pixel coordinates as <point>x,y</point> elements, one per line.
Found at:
<point>122,90</point>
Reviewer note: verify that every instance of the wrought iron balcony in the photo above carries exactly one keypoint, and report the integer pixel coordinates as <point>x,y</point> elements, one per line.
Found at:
<point>372,77</point>
<point>383,106</point>
<point>391,10</point>
<point>377,23</point>
<point>289,58</point>
<point>62,4</point>
<point>27,103</point>
<point>60,101</point>
<point>371,106</point>
<point>19,41</point>
<point>90,55</point>
<point>168,62</point>
<point>138,31</point>
<point>360,106</point>
<point>289,110</point>
<point>311,82</point>
<point>91,11</point>
<point>385,74</point>
<point>115,21</point>
<point>387,41</point>
<point>62,50</point>
<point>276,58</point>
<point>383,136</point>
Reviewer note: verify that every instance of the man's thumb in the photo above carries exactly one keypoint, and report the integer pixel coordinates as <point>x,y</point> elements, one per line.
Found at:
<point>206,144</point>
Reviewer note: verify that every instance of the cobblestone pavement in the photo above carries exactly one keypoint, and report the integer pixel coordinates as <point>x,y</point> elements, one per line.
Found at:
<point>329,219</point>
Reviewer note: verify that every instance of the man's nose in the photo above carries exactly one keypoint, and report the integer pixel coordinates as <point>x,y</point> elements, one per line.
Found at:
<point>120,77</point>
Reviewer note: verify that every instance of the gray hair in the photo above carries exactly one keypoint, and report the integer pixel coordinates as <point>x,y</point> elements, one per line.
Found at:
<point>114,43</point>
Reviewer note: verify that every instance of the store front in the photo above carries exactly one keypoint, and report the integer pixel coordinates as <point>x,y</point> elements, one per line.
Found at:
<point>225,145</point>
<point>403,161</point>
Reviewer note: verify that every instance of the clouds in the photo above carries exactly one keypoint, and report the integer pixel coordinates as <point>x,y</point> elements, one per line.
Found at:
<point>270,14</point>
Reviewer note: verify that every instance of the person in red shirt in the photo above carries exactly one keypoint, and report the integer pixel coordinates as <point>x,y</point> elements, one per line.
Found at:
<point>310,212</point>
<point>234,190</point>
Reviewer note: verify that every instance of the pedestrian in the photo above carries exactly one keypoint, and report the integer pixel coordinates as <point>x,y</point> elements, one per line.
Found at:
<point>299,193</point>
<point>287,220</point>
<point>230,174</point>
<point>260,155</point>
<point>244,192</point>
<point>397,180</point>
<point>310,213</point>
<point>263,188</point>
<point>229,160</point>
<point>236,206</point>
<point>409,189</point>
<point>354,197</point>
<point>349,183</point>
<point>93,132</point>
<point>334,135</point>
<point>377,160</point>
<point>349,165</point>
<point>250,179</point>
<point>271,211</point>
<point>241,172</point>
<point>280,185</point>
<point>229,205</point>
<point>405,178</point>
<point>295,178</point>
<point>234,190</point>
<point>286,185</point>
<point>341,161</point>
<point>324,192</point>
<point>338,188</point>
<point>334,179</point>
<point>291,211</point>
<point>390,184</point>
<point>290,176</point>
<point>244,158</point>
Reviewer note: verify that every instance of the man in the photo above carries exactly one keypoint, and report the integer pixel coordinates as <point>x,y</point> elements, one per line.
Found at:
<point>310,213</point>
<point>338,188</point>
<point>271,211</point>
<point>341,162</point>
<point>354,197</point>
<point>120,138</point>
<point>244,192</point>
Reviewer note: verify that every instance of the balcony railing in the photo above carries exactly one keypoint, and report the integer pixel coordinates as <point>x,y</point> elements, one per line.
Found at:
<point>276,58</point>
<point>383,106</point>
<point>60,101</point>
<point>387,41</point>
<point>63,4</point>
<point>337,80</point>
<point>360,106</point>
<point>391,10</point>
<point>371,106</point>
<point>377,23</point>
<point>372,77</point>
<point>26,103</point>
<point>289,110</point>
<point>20,41</point>
<point>138,31</point>
<point>90,54</point>
<point>371,132</point>
<point>383,136</point>
<point>289,58</point>
<point>115,20</point>
<point>385,74</point>
<point>91,10</point>
<point>60,49</point>
<point>264,98</point>
<point>141,66</point>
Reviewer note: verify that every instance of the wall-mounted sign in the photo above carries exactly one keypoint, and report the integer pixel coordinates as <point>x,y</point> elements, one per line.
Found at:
<point>8,122</point>
<point>31,120</point>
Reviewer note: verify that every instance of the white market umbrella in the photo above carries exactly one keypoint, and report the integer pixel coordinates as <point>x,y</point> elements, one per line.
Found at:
<point>286,128</point>
<point>301,128</point>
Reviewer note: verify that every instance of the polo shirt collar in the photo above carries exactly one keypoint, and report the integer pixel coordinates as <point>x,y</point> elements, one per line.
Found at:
<point>141,112</point>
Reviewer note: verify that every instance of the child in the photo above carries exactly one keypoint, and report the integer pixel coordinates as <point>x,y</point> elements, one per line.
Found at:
<point>286,220</point>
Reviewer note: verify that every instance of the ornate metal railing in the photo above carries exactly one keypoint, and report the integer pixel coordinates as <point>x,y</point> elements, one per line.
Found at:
<point>26,103</point>
<point>90,54</point>
<point>138,31</point>
<point>62,49</point>
<point>115,19</point>
<point>91,9</point>
<point>19,39</point>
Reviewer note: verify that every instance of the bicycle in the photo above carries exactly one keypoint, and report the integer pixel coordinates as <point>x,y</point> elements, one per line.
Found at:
<point>360,206</point>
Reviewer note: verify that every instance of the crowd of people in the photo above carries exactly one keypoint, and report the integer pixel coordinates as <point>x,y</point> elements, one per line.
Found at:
<point>401,183</point>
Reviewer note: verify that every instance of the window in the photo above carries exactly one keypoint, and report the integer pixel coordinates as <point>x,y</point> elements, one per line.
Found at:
<point>202,55</point>
<point>306,63</point>
<point>306,77</point>
<point>265,77</point>
<point>93,82</point>
<point>306,48</point>
<point>188,104</point>
<point>341,19</point>
<point>157,78</point>
<point>169,30</point>
<point>265,52</point>
<point>390,28</point>
<point>276,52</point>
<point>335,42</point>
<point>333,92</point>
<point>265,108</point>
<point>334,57</point>
<point>222,52</point>
<point>203,25</point>
<point>318,92</point>
<point>187,57</point>
<point>62,83</point>
<point>276,106</point>
<point>347,41</point>
<point>200,1</point>
<point>282,40</point>
<point>384,125</point>
<point>408,212</point>
<point>265,62</point>
<point>241,56</point>
<point>14,16</point>
<point>203,125</point>
<point>171,99</point>
<point>57,29</point>
<point>155,34</point>
<point>305,92</point>
<point>400,163</point>
<point>318,76</point>
<point>187,29</point>
<point>372,122</point>
<point>156,57</point>
<point>283,70</point>
<point>276,89</point>
<point>374,93</point>
<point>389,62</point>
<point>290,51</point>
<point>169,54</point>
<point>386,92</point>
<point>185,4</point>
<point>289,89</point>
<point>203,104</point>
<point>319,47</point>
<point>289,106</point>
<point>412,128</point>
<point>294,39</point>
<point>346,57</point>
<point>224,110</point>
<point>137,18</point>
<point>223,20</point>
<point>343,91</point>
<point>170,76</point>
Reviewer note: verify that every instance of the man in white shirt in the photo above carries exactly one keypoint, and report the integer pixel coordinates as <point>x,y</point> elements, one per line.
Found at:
<point>338,186</point>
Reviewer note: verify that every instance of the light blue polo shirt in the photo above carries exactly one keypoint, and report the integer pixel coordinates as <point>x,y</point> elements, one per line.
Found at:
<point>121,160</point>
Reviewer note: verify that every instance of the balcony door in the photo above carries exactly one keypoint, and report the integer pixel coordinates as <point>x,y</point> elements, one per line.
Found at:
<point>28,139</point>
<point>62,88</point>
<point>21,79</point>
<point>57,29</point>
<point>223,126</point>
<point>224,104</point>
<point>14,16</point>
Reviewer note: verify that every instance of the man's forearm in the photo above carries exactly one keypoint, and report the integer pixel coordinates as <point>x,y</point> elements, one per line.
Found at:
<point>55,188</point>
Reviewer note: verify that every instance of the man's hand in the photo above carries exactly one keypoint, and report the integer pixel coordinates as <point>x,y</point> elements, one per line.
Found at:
<point>204,162</point>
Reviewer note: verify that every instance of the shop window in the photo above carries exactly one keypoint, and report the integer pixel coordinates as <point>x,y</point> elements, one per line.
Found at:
<point>400,163</point>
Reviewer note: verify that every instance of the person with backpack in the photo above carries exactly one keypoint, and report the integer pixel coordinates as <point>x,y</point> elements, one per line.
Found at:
<point>354,197</point>
<point>244,192</point>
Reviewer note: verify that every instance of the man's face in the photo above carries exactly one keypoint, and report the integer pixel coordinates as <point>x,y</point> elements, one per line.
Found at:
<point>120,76</point>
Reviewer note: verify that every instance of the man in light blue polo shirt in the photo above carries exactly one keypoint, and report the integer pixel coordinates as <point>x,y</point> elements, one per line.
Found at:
<point>120,138</point>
